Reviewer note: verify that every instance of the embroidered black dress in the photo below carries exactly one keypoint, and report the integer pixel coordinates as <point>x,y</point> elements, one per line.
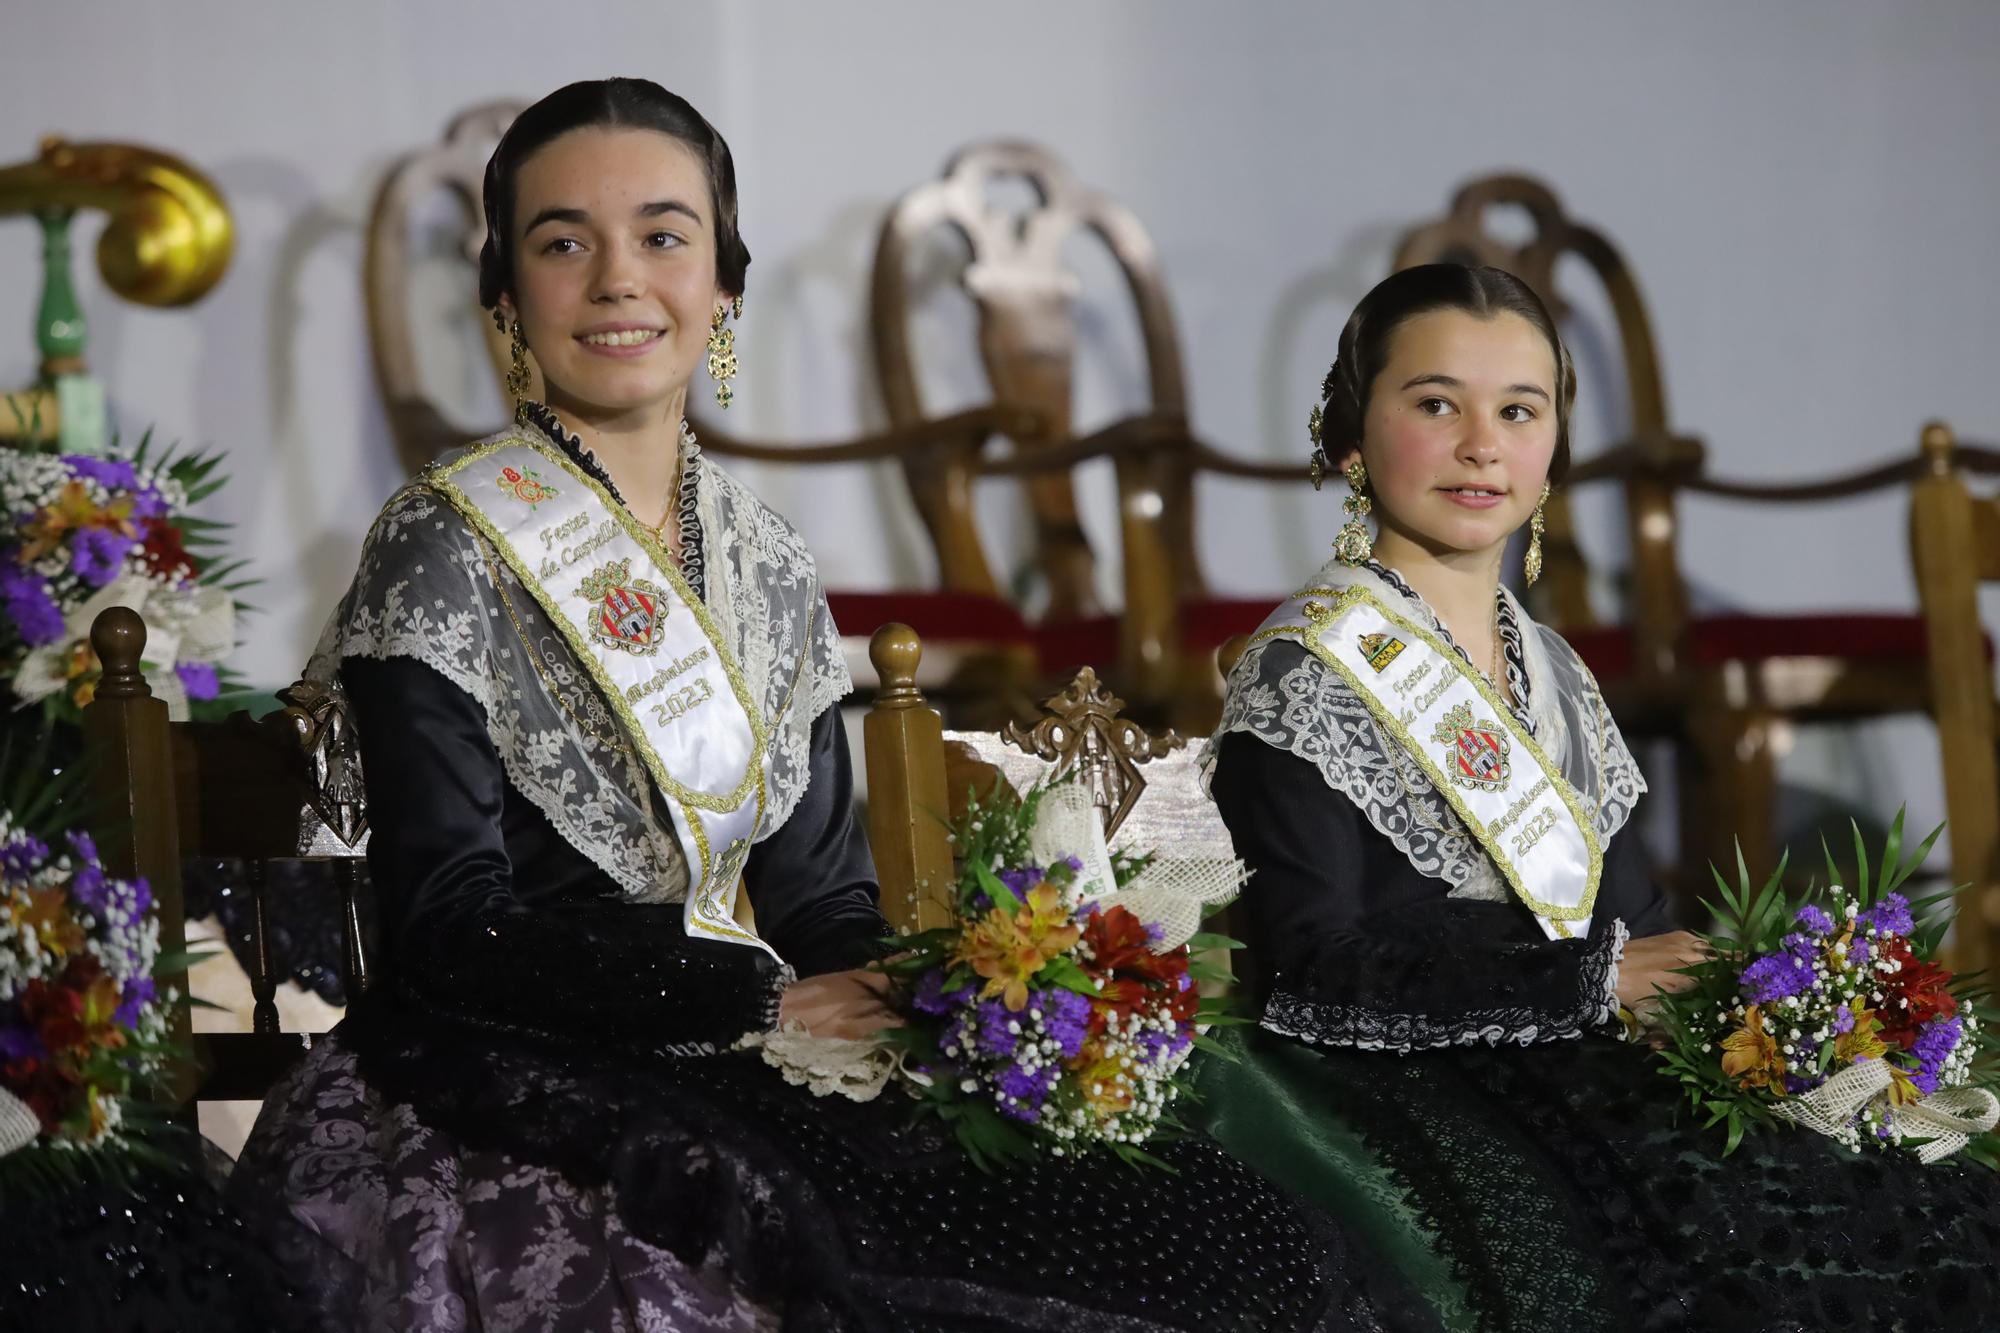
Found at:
<point>538,1122</point>
<point>1435,1072</point>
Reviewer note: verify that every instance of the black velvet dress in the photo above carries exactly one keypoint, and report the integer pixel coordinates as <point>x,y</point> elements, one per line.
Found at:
<point>537,1120</point>
<point>1437,1073</point>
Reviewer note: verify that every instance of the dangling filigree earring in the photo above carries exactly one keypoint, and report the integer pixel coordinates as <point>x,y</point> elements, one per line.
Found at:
<point>722,351</point>
<point>1315,428</point>
<point>518,377</point>
<point>1352,545</point>
<point>1531,567</point>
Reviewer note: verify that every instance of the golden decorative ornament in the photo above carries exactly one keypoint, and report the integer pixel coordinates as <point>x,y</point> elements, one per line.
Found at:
<point>1353,544</point>
<point>1531,567</point>
<point>519,378</point>
<point>722,352</point>
<point>169,235</point>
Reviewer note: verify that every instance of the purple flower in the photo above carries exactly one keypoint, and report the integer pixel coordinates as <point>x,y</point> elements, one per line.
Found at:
<point>1858,951</point>
<point>98,554</point>
<point>142,897</point>
<point>20,1044</point>
<point>930,998</point>
<point>138,995</point>
<point>81,845</point>
<point>992,1039</point>
<point>1027,1090</point>
<point>1021,880</point>
<point>1158,1047</point>
<point>1814,919</point>
<point>198,679</point>
<point>1065,1017</point>
<point>1843,1019</point>
<point>92,890</point>
<point>114,474</point>
<point>25,596</point>
<point>22,854</point>
<point>1891,916</point>
<point>1075,863</point>
<point>1786,972</point>
<point>1934,1046</point>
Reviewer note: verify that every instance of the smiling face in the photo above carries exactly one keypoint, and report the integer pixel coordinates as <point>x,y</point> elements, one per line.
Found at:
<point>1460,428</point>
<point>614,277</point>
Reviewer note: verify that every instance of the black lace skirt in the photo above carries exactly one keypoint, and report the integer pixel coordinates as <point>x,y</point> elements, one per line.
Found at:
<point>154,1247</point>
<point>1565,1186</point>
<point>418,1161</point>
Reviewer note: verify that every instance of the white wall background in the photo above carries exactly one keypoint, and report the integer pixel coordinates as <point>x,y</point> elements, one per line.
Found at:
<point>1808,192</point>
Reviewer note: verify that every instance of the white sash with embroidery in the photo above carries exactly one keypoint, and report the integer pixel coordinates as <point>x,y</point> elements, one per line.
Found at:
<point>648,643</point>
<point>1511,796</point>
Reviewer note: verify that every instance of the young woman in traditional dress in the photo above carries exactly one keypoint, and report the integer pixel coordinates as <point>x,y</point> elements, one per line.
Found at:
<point>595,684</point>
<point>1449,907</point>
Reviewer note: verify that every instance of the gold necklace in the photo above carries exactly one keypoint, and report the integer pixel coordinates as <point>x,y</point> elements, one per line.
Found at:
<point>1497,676</point>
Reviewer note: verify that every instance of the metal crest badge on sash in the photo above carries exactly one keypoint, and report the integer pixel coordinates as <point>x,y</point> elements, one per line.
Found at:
<point>625,613</point>
<point>1476,751</point>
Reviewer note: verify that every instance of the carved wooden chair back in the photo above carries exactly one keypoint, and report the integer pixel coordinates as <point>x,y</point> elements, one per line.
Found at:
<point>1023,290</point>
<point>281,787</point>
<point>456,167</point>
<point>1463,235</point>
<point>1145,786</point>
<point>1955,542</point>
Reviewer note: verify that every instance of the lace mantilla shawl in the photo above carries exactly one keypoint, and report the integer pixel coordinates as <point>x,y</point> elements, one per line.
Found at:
<point>1286,697</point>
<point>429,588</point>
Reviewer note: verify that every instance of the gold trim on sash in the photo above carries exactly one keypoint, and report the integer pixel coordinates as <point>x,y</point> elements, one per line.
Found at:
<point>1321,615</point>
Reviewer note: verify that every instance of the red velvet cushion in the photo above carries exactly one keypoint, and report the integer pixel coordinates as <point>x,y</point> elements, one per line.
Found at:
<point>1713,640</point>
<point>1093,641</point>
<point>937,617</point>
<point>1062,646</point>
<point>1206,625</point>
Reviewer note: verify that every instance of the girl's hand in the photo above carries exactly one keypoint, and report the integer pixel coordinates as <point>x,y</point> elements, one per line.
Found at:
<point>840,1004</point>
<point>1650,964</point>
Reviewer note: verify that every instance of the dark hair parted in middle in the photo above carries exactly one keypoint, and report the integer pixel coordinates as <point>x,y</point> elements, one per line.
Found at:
<point>609,103</point>
<point>1364,344</point>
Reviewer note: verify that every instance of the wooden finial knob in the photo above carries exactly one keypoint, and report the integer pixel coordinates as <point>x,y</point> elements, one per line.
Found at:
<point>1938,443</point>
<point>895,651</point>
<point>118,636</point>
<point>1230,653</point>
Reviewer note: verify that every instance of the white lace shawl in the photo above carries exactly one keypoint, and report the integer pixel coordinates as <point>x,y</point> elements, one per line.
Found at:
<point>428,588</point>
<point>1286,697</point>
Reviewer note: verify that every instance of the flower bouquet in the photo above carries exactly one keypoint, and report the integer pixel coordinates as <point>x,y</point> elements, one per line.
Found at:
<point>79,534</point>
<point>1831,1012</point>
<point>1058,1008</point>
<point>83,1018</point>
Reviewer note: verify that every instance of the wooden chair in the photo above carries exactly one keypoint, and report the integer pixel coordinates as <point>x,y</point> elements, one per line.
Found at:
<point>1145,786</point>
<point>1955,543</point>
<point>983,656</point>
<point>1725,685</point>
<point>1018,280</point>
<point>285,786</point>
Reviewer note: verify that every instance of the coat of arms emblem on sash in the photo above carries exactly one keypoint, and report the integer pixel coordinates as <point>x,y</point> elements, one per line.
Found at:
<point>1477,753</point>
<point>526,485</point>
<point>626,613</point>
